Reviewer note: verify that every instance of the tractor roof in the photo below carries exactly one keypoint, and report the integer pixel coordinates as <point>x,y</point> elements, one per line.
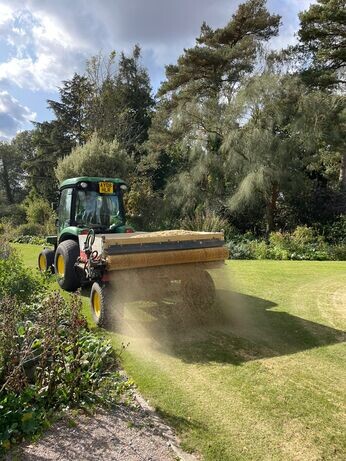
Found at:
<point>74,181</point>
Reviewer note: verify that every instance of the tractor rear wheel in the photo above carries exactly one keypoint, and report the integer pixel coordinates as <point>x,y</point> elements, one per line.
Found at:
<point>104,309</point>
<point>65,258</point>
<point>46,260</point>
<point>198,291</point>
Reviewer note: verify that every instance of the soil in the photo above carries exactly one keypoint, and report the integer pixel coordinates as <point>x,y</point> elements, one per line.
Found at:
<point>125,433</point>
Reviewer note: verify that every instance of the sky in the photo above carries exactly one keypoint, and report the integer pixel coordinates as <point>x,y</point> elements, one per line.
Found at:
<point>43,42</point>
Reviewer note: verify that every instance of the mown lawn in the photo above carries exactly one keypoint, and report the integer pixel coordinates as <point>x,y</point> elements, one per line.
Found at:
<point>268,382</point>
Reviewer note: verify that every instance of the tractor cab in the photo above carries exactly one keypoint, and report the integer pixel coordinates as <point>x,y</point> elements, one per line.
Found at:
<point>90,203</point>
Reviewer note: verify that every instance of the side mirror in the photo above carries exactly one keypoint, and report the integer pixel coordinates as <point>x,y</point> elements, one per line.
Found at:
<point>57,222</point>
<point>54,206</point>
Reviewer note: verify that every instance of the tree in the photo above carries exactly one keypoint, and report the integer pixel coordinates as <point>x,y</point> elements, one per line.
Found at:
<point>283,131</point>
<point>122,101</point>
<point>50,143</point>
<point>11,172</point>
<point>322,37</point>
<point>223,56</point>
<point>72,111</point>
<point>95,158</point>
<point>189,125</point>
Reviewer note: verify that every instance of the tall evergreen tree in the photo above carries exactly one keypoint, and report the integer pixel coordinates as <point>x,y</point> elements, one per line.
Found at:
<point>9,171</point>
<point>122,99</point>
<point>72,111</point>
<point>50,143</point>
<point>322,36</point>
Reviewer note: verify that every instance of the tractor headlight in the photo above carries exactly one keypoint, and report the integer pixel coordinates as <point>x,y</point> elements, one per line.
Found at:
<point>123,187</point>
<point>83,185</point>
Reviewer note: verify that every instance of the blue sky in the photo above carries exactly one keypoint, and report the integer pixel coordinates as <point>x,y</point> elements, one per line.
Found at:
<point>43,42</point>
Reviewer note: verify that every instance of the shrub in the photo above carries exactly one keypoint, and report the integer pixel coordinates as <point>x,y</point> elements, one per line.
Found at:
<point>7,229</point>
<point>206,221</point>
<point>259,249</point>
<point>335,233</point>
<point>40,213</point>
<point>32,239</point>
<point>15,213</point>
<point>29,229</point>
<point>15,280</point>
<point>338,252</point>
<point>240,250</point>
<point>303,235</point>
<point>50,361</point>
<point>302,244</point>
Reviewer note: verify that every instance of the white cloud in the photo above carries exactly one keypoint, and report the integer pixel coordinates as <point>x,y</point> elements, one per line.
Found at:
<point>5,13</point>
<point>44,53</point>
<point>13,115</point>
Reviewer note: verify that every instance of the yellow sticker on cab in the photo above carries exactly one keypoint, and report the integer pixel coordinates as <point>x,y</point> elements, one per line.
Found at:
<point>105,187</point>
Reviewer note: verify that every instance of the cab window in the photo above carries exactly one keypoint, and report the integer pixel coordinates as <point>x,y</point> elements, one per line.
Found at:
<point>64,210</point>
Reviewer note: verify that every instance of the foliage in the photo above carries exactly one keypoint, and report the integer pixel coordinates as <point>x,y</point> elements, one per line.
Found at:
<point>143,205</point>
<point>14,213</point>
<point>32,239</point>
<point>222,56</point>
<point>39,212</point>
<point>206,221</point>
<point>11,172</point>
<point>335,232</point>
<point>15,279</point>
<point>96,158</point>
<point>49,142</point>
<point>302,244</point>
<point>72,111</point>
<point>275,149</point>
<point>322,38</point>
<point>121,102</point>
<point>49,360</point>
<point>29,229</point>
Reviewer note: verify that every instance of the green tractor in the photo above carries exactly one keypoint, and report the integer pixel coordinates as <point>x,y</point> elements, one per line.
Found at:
<point>94,246</point>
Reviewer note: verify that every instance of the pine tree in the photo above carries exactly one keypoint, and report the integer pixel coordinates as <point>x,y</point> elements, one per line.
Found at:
<point>322,37</point>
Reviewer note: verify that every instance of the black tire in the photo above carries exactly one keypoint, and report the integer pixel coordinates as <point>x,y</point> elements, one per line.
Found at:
<point>104,309</point>
<point>65,271</point>
<point>45,260</point>
<point>198,291</point>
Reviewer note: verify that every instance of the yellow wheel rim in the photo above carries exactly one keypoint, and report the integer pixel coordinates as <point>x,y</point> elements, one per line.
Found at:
<point>42,263</point>
<point>60,265</point>
<point>96,303</point>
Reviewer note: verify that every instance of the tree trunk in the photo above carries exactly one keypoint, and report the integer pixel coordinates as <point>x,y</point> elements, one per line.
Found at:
<point>342,176</point>
<point>271,208</point>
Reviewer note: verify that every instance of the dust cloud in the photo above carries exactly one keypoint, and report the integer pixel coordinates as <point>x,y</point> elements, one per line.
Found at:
<point>169,308</point>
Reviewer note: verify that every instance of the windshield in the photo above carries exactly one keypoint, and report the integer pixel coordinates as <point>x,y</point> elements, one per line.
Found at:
<point>97,210</point>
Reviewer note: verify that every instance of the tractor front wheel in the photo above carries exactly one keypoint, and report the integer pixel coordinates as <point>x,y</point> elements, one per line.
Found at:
<point>46,260</point>
<point>65,258</point>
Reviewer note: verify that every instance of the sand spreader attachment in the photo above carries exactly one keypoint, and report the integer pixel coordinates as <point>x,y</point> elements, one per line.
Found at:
<point>141,265</point>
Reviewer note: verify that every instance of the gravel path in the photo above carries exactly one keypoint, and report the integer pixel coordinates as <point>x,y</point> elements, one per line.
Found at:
<point>125,433</point>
